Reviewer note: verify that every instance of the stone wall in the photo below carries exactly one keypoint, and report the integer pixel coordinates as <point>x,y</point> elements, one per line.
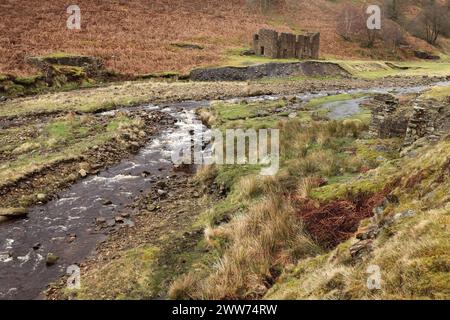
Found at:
<point>419,119</point>
<point>387,120</point>
<point>272,44</point>
<point>430,119</point>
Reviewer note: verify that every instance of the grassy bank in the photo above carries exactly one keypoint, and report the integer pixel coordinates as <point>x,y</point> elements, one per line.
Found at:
<point>255,230</point>
<point>381,69</point>
<point>292,235</point>
<point>411,251</point>
<point>44,155</point>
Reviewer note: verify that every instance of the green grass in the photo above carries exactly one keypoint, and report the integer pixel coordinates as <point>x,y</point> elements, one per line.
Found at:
<point>253,123</point>
<point>63,103</point>
<point>62,139</point>
<point>275,80</point>
<point>131,273</point>
<point>412,252</point>
<point>230,112</point>
<point>379,69</point>
<point>334,98</point>
<point>438,93</point>
<point>234,59</point>
<point>27,80</point>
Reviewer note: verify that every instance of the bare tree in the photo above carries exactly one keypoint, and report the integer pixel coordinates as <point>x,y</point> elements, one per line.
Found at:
<point>393,9</point>
<point>432,22</point>
<point>350,22</point>
<point>352,26</point>
<point>392,33</point>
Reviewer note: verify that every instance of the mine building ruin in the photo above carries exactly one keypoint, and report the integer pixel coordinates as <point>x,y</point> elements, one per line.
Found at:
<point>271,44</point>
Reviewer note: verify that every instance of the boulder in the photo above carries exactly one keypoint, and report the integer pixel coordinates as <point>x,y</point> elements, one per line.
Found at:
<point>106,202</point>
<point>91,65</point>
<point>82,173</point>
<point>41,197</point>
<point>361,248</point>
<point>100,220</point>
<point>425,55</point>
<point>13,212</point>
<point>247,53</point>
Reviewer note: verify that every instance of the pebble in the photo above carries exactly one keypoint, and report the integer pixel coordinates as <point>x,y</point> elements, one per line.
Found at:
<point>406,214</point>
<point>119,219</point>
<point>106,202</point>
<point>100,220</point>
<point>111,223</point>
<point>82,173</point>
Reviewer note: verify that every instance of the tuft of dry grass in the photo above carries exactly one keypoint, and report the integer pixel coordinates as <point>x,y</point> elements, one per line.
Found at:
<point>206,174</point>
<point>265,237</point>
<point>248,188</point>
<point>305,185</point>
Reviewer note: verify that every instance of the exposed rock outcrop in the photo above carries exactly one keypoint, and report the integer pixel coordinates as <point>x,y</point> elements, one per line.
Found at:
<point>93,67</point>
<point>425,55</point>
<point>56,71</point>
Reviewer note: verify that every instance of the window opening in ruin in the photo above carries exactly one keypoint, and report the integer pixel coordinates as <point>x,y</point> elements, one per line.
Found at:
<point>262,50</point>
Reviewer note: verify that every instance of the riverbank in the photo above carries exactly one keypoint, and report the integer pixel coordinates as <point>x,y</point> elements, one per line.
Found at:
<point>199,259</point>
<point>65,118</point>
<point>118,206</point>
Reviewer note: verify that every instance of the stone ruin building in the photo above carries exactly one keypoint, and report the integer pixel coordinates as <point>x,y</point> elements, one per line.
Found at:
<point>271,44</point>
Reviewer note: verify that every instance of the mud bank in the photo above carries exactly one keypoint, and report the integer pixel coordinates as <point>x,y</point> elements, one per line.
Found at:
<point>276,70</point>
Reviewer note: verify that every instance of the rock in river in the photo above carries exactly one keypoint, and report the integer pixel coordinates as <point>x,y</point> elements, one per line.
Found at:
<point>11,213</point>
<point>51,259</point>
<point>41,197</point>
<point>82,173</point>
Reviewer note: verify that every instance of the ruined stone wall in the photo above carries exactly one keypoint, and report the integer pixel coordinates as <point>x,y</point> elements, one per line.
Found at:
<point>287,45</point>
<point>271,44</point>
<point>422,119</point>
<point>430,119</point>
<point>387,121</point>
<point>265,43</point>
<point>314,45</point>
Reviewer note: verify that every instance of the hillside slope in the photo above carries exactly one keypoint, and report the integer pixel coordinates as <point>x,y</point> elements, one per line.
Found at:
<point>139,36</point>
<point>409,246</point>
